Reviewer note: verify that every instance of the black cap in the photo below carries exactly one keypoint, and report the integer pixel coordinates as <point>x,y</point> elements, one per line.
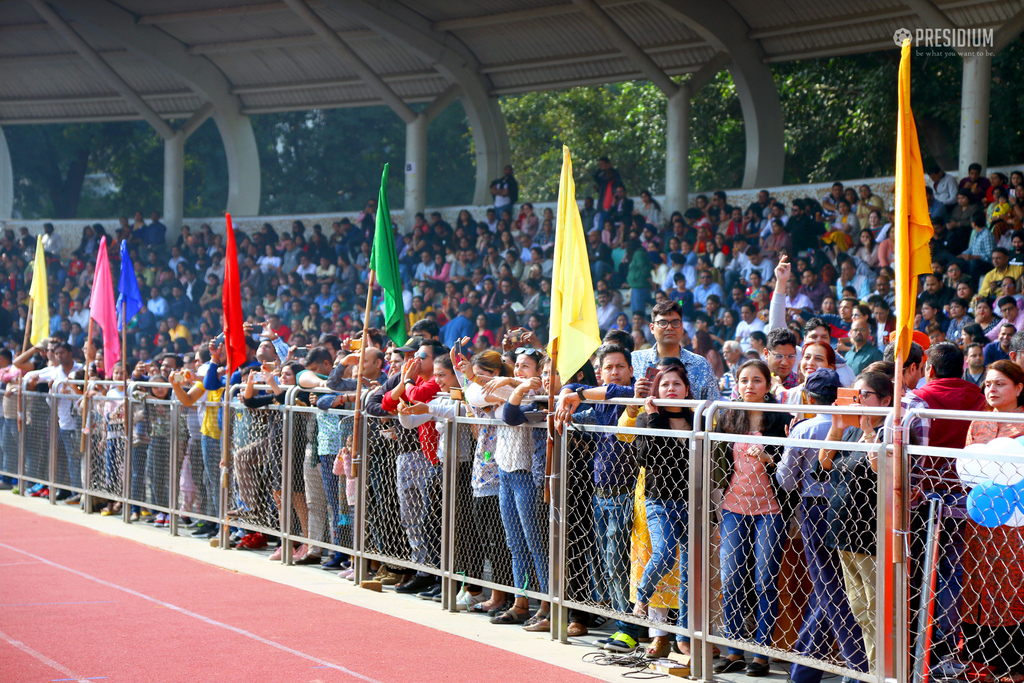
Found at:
<point>412,344</point>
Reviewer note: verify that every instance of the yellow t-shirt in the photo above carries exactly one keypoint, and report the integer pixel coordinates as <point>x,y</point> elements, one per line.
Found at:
<point>181,331</point>
<point>209,426</point>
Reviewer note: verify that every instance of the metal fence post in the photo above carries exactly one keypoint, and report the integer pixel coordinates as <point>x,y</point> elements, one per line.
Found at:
<point>559,556</point>
<point>706,650</point>
<point>359,460</point>
<point>287,486</point>
<point>698,545</point>
<point>86,502</point>
<point>173,458</point>
<point>126,466</point>
<point>22,442</point>
<point>450,503</point>
<point>54,434</point>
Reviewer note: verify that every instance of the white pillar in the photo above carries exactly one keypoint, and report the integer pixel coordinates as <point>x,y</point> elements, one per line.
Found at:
<point>677,152</point>
<point>6,179</point>
<point>974,104</point>
<point>415,169</point>
<point>174,184</point>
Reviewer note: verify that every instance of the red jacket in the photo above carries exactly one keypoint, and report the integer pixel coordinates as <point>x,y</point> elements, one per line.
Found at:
<point>946,394</point>
<point>421,392</point>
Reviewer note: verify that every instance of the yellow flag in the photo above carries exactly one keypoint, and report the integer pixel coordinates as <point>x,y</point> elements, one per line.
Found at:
<point>40,296</point>
<point>913,225</point>
<point>573,308</point>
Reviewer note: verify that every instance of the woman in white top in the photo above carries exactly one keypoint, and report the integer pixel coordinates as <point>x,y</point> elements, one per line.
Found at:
<point>269,261</point>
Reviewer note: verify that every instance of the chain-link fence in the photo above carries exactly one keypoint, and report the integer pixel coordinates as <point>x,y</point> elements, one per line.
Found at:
<point>105,441</point>
<point>965,548</point>
<point>258,458</point>
<point>39,433</point>
<point>151,464</point>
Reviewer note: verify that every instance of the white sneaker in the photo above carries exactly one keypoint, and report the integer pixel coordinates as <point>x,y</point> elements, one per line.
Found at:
<point>466,600</point>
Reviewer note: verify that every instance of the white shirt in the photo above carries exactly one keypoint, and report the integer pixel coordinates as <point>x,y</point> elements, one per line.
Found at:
<point>55,376</point>
<point>744,329</point>
<point>269,263</point>
<point>945,189</point>
<point>52,243</point>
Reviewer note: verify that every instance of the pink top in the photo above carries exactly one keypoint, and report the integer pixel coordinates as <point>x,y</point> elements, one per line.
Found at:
<point>750,490</point>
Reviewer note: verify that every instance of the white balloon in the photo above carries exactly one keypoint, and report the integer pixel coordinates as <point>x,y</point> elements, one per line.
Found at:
<point>976,471</point>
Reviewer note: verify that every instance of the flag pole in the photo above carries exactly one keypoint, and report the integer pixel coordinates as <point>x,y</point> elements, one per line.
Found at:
<point>85,387</point>
<point>24,348</point>
<point>551,421</point>
<point>124,363</point>
<point>357,416</point>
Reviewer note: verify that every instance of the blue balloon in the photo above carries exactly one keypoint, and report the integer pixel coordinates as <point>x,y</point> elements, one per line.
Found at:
<point>991,504</point>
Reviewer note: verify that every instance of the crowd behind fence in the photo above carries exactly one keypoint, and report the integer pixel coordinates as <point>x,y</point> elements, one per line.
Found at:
<point>664,550</point>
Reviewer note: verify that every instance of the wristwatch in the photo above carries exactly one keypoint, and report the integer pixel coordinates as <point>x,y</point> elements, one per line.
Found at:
<point>579,392</point>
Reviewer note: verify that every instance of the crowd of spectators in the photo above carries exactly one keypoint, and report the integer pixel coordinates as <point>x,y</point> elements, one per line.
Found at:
<point>766,303</point>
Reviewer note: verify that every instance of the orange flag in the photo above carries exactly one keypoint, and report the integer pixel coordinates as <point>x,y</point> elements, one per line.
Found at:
<point>913,225</point>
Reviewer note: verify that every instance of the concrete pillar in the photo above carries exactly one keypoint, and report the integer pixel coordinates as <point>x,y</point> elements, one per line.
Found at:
<point>174,184</point>
<point>243,163</point>
<point>415,169</point>
<point>677,152</point>
<point>6,180</point>
<point>974,104</point>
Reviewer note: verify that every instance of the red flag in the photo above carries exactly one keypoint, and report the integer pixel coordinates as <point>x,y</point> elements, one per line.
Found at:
<point>234,335</point>
<point>609,197</point>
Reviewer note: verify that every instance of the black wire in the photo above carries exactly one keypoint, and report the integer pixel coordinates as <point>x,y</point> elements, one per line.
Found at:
<point>637,661</point>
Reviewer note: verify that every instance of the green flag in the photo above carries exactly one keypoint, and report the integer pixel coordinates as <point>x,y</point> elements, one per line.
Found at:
<point>384,262</point>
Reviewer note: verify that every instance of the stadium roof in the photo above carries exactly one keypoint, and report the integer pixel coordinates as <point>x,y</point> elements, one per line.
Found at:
<point>274,62</point>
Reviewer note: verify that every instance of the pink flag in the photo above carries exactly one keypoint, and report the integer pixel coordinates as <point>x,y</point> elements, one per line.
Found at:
<point>103,311</point>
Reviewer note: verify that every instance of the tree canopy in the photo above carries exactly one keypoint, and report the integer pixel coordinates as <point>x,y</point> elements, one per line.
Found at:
<point>840,117</point>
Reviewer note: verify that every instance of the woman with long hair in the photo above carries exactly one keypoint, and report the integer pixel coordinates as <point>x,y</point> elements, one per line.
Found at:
<point>992,602</point>
<point>754,514</point>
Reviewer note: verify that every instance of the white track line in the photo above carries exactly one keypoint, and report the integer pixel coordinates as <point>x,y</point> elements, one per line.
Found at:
<point>200,617</point>
<point>43,658</point>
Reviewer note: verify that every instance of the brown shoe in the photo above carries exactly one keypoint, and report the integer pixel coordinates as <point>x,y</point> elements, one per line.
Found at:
<point>539,625</point>
<point>576,629</point>
<point>660,647</point>
<point>388,577</point>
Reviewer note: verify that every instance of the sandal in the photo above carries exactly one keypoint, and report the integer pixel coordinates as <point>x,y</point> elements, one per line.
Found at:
<point>536,618</point>
<point>510,616</point>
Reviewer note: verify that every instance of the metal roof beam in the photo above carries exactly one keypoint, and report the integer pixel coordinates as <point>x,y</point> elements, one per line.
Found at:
<point>332,83</point>
<point>340,48</point>
<point>102,68</point>
<point>1008,31</point>
<point>90,99</point>
<point>275,109</point>
<point>597,56</point>
<point>99,118</point>
<point>708,71</point>
<point>594,80</point>
<point>441,102</point>
<point>170,17</point>
<point>621,40</point>
<point>264,43</point>
<point>835,51</point>
<point>518,15</point>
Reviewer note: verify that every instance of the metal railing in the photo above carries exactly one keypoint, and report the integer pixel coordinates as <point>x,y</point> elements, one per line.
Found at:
<point>445,519</point>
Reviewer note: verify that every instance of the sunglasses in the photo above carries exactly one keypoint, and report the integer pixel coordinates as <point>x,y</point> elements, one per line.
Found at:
<point>529,351</point>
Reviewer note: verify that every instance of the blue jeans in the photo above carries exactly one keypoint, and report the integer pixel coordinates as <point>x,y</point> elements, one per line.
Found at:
<point>525,535</point>
<point>415,478</point>
<point>69,437</point>
<point>331,484</point>
<point>211,474</point>
<point>9,444</point>
<point>113,468</point>
<point>667,523</point>
<point>139,457</point>
<point>613,524</point>
<point>741,536</point>
<point>828,611</point>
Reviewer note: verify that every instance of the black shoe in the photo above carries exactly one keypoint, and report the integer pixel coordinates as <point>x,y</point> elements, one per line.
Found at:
<point>757,669</point>
<point>430,592</point>
<point>418,584</point>
<point>728,666</point>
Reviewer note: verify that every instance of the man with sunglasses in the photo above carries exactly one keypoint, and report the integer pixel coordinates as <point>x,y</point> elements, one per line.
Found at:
<point>667,326</point>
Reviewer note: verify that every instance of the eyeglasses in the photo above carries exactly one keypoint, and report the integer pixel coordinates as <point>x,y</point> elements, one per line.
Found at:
<point>864,393</point>
<point>529,351</point>
<point>779,357</point>
<point>665,324</point>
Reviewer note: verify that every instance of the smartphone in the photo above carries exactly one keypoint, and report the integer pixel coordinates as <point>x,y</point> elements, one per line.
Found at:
<point>651,372</point>
<point>300,352</point>
<point>355,344</point>
<point>456,394</point>
<point>846,396</point>
<point>457,348</point>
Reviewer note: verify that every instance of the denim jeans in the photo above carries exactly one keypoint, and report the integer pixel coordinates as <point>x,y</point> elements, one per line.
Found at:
<point>761,536</point>
<point>828,612</point>
<point>70,437</point>
<point>613,524</point>
<point>9,444</point>
<point>211,474</point>
<point>415,478</point>
<point>140,454</point>
<point>157,468</point>
<point>525,533</point>
<point>331,483</point>
<point>638,300</point>
<point>667,524</point>
<point>113,465</point>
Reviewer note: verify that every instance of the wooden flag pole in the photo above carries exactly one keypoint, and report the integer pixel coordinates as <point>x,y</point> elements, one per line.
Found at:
<point>551,421</point>
<point>898,438</point>
<point>24,348</point>
<point>85,392</point>
<point>357,417</point>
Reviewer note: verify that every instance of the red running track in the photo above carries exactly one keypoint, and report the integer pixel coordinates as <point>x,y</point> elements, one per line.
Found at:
<point>77,605</point>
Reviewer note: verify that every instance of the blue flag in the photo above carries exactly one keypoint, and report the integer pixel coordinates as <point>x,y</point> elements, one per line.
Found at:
<point>129,298</point>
